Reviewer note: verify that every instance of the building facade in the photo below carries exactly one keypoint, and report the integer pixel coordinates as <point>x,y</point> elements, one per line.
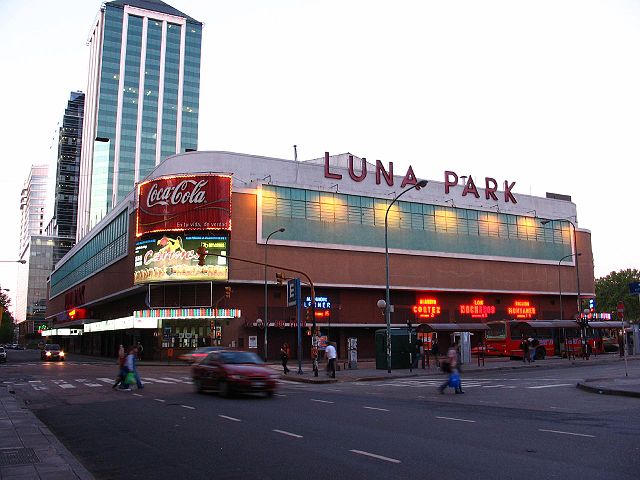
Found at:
<point>65,208</point>
<point>142,100</point>
<point>461,250</point>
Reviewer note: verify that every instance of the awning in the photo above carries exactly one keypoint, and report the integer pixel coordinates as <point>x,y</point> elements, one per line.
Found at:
<point>607,324</point>
<point>452,327</point>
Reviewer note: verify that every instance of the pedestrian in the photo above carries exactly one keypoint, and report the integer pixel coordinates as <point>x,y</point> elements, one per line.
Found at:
<point>121,367</point>
<point>416,355</point>
<point>451,366</point>
<point>140,348</point>
<point>524,345</point>
<point>330,352</point>
<point>435,351</point>
<point>284,356</point>
<point>533,344</point>
<point>132,370</point>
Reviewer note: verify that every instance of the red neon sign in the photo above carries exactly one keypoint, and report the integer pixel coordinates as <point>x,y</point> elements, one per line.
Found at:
<point>477,309</point>
<point>522,309</point>
<point>427,307</point>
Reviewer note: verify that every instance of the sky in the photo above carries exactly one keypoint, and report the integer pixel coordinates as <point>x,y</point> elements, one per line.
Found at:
<point>543,93</point>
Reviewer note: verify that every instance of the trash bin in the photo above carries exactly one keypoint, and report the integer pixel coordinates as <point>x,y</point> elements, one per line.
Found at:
<point>401,347</point>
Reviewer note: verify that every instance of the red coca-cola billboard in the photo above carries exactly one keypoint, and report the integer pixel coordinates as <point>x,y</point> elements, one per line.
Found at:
<point>184,202</point>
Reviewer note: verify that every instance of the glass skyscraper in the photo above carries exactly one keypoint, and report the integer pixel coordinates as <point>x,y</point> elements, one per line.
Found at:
<point>142,100</point>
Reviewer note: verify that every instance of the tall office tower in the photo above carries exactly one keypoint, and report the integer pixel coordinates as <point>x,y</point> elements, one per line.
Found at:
<point>65,206</point>
<point>39,251</point>
<point>33,199</point>
<point>141,102</point>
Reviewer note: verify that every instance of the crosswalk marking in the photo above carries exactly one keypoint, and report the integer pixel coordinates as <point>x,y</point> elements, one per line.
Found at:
<point>156,380</point>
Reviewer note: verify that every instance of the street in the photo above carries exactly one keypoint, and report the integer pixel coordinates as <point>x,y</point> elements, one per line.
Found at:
<point>508,424</point>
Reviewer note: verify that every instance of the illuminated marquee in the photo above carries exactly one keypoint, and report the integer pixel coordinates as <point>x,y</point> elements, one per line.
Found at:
<point>427,307</point>
<point>184,202</point>
<point>477,309</point>
<point>173,257</point>
<point>522,309</point>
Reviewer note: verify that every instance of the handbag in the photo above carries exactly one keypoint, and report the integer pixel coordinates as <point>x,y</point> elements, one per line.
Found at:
<point>454,380</point>
<point>130,379</point>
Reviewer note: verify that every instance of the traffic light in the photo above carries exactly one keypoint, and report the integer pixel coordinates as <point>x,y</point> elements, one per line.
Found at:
<point>280,278</point>
<point>202,255</point>
<point>227,292</point>
<point>592,305</point>
<point>308,314</point>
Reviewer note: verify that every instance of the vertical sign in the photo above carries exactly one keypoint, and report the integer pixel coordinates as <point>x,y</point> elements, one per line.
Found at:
<point>291,292</point>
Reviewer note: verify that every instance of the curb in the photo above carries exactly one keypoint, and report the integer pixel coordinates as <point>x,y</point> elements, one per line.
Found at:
<point>606,391</point>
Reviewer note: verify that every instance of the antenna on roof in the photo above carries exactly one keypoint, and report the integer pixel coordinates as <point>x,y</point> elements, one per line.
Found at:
<point>295,153</point>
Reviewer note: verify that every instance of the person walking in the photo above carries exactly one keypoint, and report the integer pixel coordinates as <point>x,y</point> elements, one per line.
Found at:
<point>524,345</point>
<point>435,351</point>
<point>140,348</point>
<point>330,352</point>
<point>130,365</point>
<point>533,344</point>
<point>284,356</point>
<point>121,367</point>
<point>450,365</point>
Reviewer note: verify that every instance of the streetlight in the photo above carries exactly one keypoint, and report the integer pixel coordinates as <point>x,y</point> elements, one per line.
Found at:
<point>544,222</point>
<point>560,283</point>
<point>266,318</point>
<point>387,306</point>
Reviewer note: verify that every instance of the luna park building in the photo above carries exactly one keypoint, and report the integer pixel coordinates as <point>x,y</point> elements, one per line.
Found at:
<point>192,256</point>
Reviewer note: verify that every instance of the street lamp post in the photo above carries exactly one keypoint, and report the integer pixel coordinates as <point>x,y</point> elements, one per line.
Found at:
<point>387,306</point>
<point>575,243</point>
<point>266,318</point>
<point>560,283</point>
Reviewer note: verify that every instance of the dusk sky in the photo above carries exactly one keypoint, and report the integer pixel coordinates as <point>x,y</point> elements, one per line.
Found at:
<point>543,93</point>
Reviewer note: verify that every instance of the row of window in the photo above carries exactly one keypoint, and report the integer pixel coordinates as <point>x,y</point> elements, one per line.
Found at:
<point>340,208</point>
<point>105,247</point>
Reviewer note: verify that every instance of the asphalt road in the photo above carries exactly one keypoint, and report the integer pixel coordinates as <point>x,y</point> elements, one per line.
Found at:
<point>521,423</point>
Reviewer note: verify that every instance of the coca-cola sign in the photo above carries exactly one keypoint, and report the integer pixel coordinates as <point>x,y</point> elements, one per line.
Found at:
<point>184,202</point>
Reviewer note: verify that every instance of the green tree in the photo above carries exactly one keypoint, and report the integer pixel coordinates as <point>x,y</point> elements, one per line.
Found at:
<point>6,319</point>
<point>614,288</point>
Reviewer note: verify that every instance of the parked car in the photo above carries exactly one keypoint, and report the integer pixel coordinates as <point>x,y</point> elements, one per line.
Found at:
<point>610,344</point>
<point>52,351</point>
<point>197,354</point>
<point>233,371</point>
<point>3,355</point>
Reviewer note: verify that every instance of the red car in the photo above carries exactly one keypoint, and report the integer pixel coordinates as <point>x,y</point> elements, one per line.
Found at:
<point>233,371</point>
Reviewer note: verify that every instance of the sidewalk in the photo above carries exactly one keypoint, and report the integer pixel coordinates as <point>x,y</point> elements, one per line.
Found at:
<point>366,371</point>
<point>28,450</point>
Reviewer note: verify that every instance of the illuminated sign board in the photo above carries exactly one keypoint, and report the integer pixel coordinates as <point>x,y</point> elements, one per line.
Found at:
<point>321,302</point>
<point>184,202</point>
<point>427,307</point>
<point>173,257</point>
<point>477,309</point>
<point>522,309</point>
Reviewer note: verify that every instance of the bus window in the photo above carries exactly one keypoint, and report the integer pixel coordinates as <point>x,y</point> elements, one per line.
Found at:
<point>496,330</point>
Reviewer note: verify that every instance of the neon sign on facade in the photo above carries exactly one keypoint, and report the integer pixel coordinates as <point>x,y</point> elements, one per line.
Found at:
<point>427,307</point>
<point>477,309</point>
<point>522,309</point>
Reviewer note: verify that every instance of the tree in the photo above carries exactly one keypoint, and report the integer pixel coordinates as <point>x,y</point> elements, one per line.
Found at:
<point>6,319</point>
<point>614,288</point>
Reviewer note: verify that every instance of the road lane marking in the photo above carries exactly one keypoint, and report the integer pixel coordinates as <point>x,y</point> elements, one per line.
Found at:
<point>66,385</point>
<point>187,406</point>
<point>287,433</point>
<point>230,418</point>
<point>321,401</point>
<point>567,433</point>
<point>491,386</point>
<point>159,400</point>
<point>555,385</point>
<point>138,395</point>
<point>456,419</point>
<point>373,455</point>
<point>176,380</point>
<point>155,380</point>
<point>106,380</point>
<point>374,408</point>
